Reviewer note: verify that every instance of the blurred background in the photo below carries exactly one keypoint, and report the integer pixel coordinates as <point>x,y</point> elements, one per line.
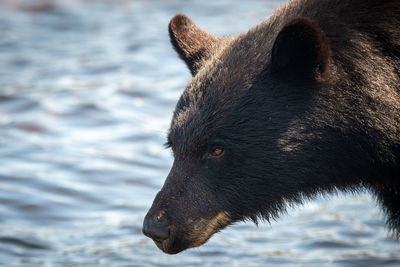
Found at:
<point>87,90</point>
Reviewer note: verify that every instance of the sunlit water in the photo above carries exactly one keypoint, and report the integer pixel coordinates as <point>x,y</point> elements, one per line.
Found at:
<point>87,89</point>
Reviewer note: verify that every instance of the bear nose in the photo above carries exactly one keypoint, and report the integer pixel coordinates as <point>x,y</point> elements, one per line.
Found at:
<point>155,230</point>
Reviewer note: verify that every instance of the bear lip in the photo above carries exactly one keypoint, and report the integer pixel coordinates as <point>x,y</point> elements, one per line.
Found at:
<point>169,246</point>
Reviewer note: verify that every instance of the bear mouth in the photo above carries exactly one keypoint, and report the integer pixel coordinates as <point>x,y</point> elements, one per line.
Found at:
<point>171,245</point>
<point>195,235</point>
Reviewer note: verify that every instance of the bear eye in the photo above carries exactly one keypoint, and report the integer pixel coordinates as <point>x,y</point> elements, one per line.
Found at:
<point>217,151</point>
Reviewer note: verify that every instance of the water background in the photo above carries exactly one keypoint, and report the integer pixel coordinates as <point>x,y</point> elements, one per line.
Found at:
<point>87,90</point>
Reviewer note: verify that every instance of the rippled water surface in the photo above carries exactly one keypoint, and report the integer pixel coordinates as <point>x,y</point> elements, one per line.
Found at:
<point>87,89</point>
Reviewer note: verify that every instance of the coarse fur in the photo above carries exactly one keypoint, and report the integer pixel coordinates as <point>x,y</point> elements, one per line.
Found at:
<point>307,102</point>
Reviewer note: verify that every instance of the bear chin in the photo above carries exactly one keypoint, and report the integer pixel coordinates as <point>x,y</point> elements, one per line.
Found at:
<point>174,245</point>
<point>169,246</point>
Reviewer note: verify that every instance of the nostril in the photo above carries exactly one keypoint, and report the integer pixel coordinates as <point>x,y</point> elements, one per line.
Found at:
<point>155,230</point>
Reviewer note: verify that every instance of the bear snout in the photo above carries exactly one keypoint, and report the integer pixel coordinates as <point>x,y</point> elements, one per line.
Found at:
<point>162,233</point>
<point>156,230</point>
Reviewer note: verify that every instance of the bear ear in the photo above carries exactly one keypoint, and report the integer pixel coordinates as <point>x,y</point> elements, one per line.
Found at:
<point>192,44</point>
<point>300,51</point>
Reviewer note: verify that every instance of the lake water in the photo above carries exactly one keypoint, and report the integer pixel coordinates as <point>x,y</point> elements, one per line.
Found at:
<point>87,90</point>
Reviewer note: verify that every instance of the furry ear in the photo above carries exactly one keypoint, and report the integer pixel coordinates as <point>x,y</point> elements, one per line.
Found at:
<point>193,45</point>
<point>300,51</point>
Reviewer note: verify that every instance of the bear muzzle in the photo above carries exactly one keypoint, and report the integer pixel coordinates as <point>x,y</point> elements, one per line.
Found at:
<point>155,230</point>
<point>172,239</point>
<point>162,233</point>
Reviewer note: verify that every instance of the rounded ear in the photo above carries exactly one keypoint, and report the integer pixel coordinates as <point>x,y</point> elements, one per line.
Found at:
<point>192,44</point>
<point>300,51</point>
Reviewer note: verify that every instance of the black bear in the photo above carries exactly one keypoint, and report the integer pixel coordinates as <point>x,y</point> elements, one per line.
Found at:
<point>307,102</point>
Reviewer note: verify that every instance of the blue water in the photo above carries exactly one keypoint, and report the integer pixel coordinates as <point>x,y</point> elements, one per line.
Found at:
<point>87,90</point>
